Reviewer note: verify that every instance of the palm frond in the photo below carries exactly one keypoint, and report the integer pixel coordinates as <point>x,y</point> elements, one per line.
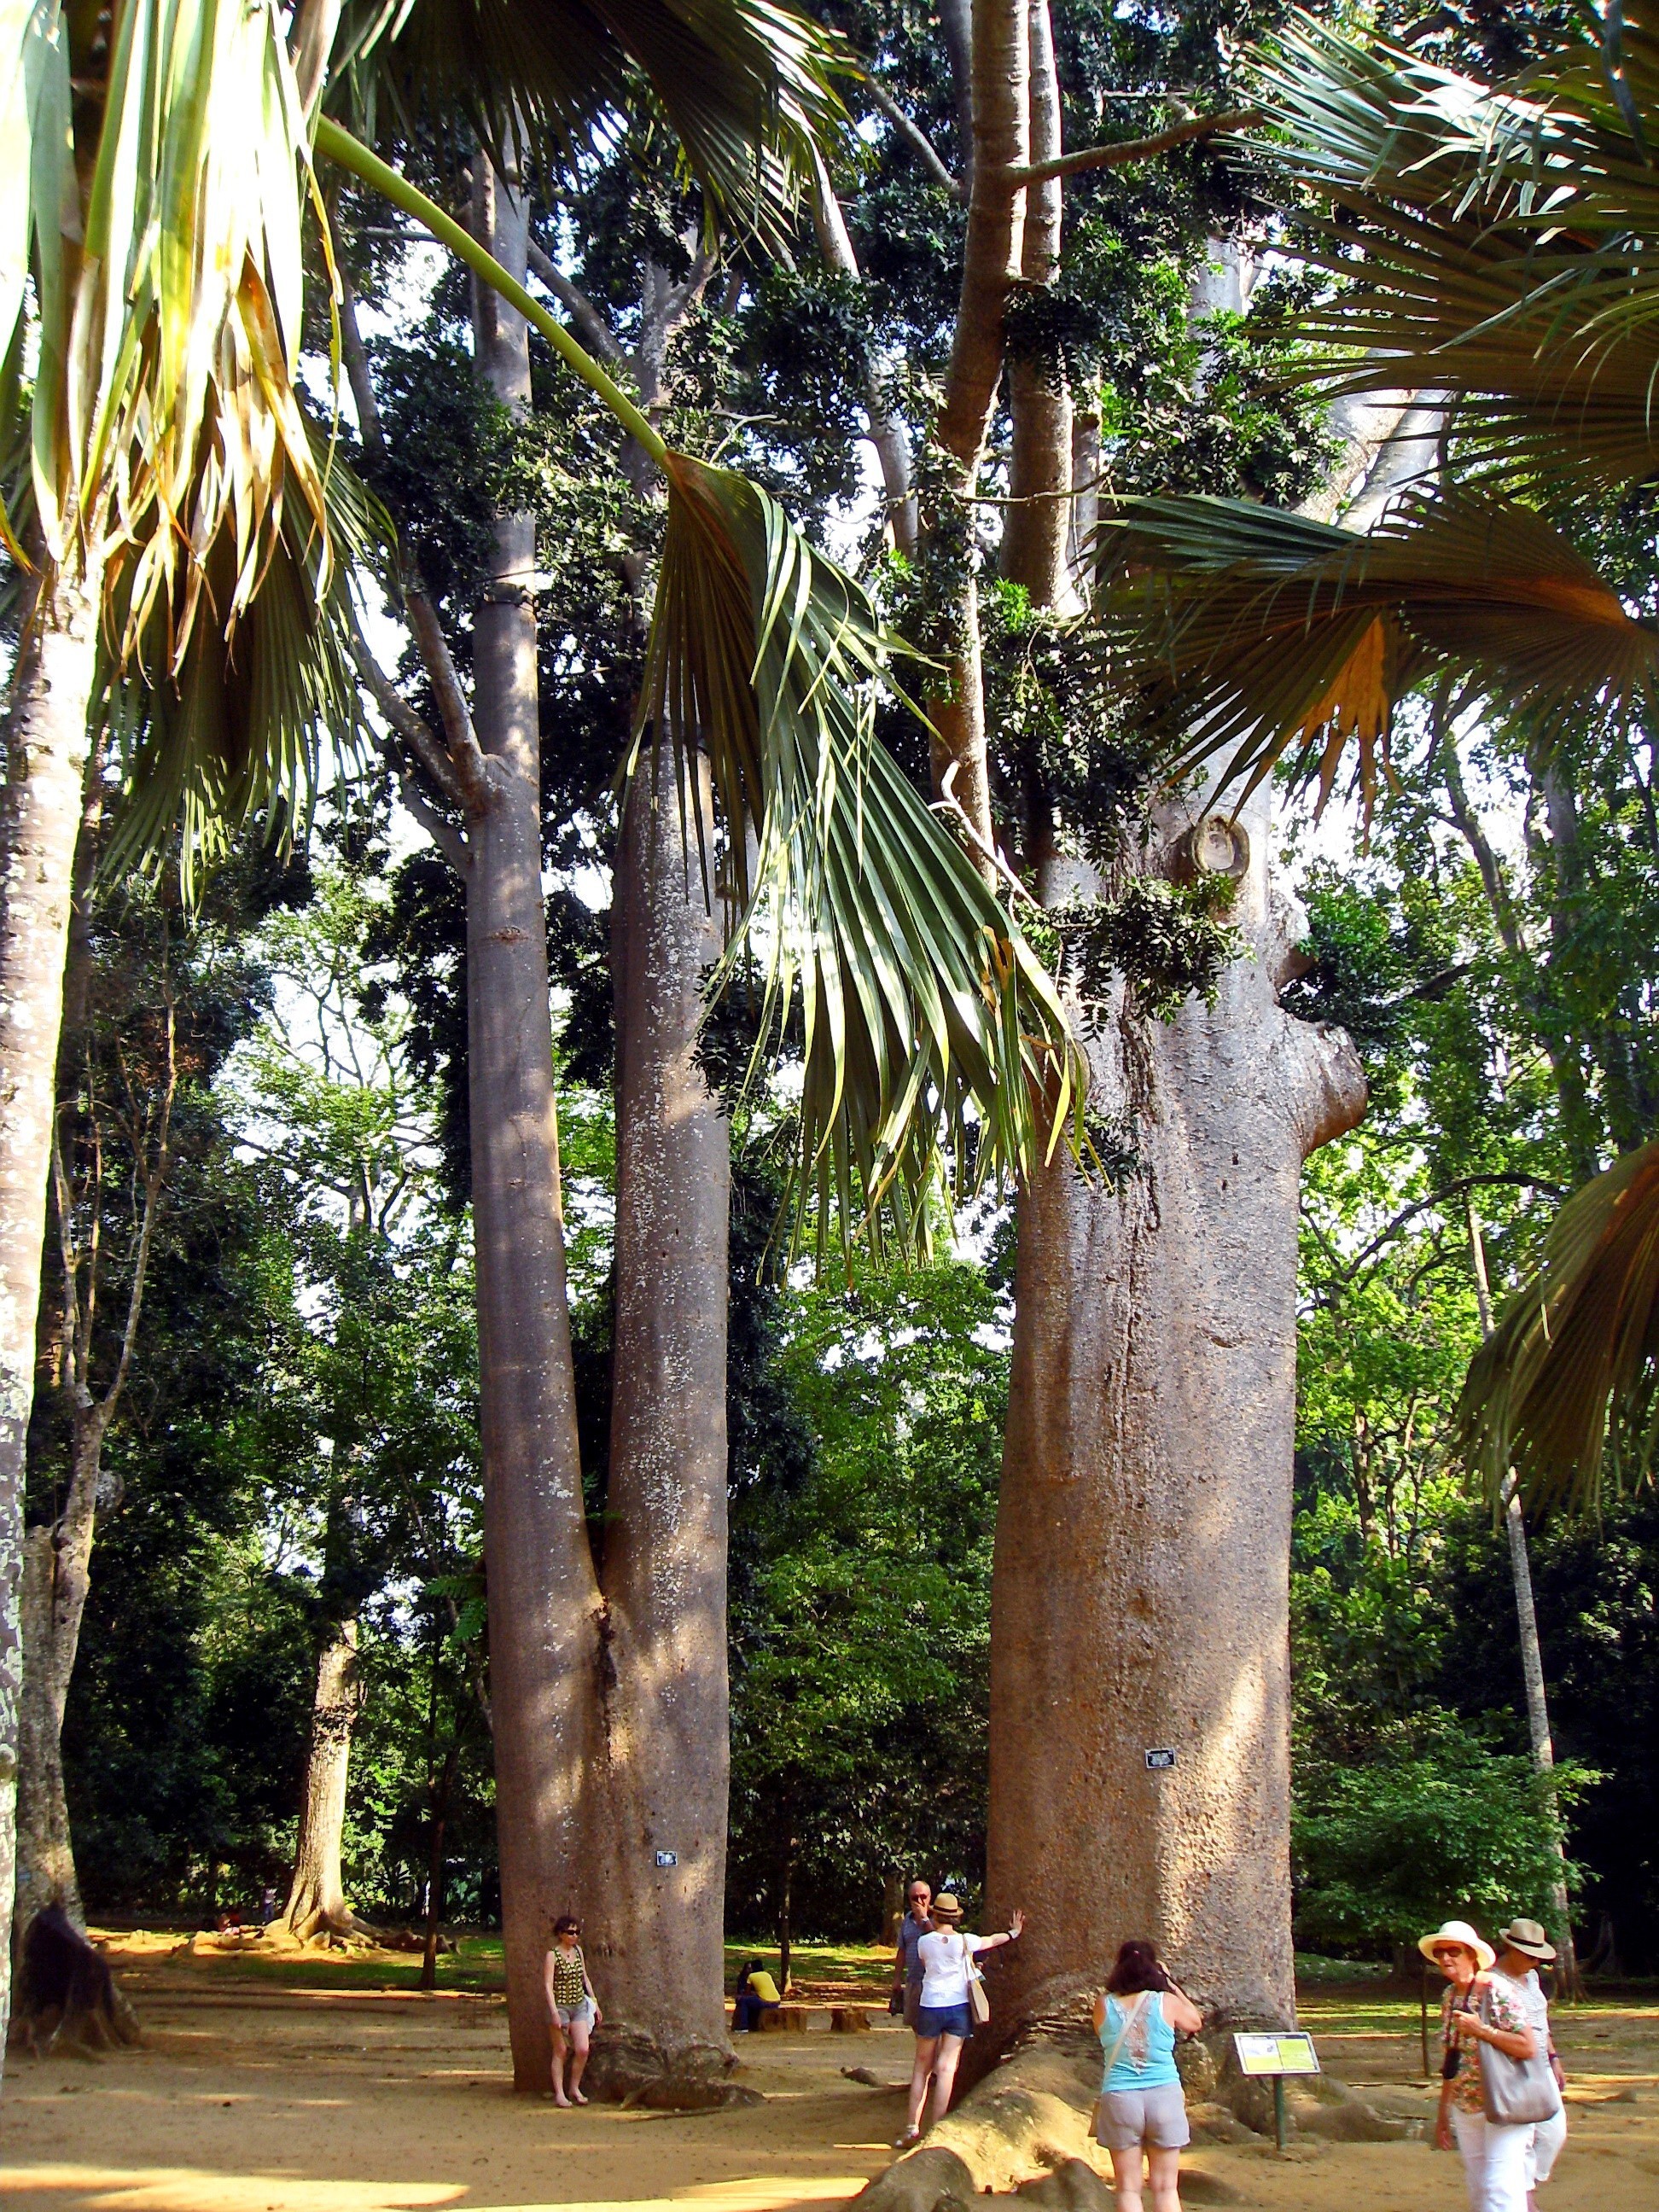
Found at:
<point>169,274</point>
<point>745,88</point>
<point>1258,635</point>
<point>1568,1376</point>
<point>923,1009</point>
<point>244,723</point>
<point>1499,245</point>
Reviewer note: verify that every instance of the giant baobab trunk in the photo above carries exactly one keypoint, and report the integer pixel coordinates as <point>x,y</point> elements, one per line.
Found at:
<point>46,753</point>
<point>656,1920</point>
<point>1141,1593</point>
<point>316,1898</point>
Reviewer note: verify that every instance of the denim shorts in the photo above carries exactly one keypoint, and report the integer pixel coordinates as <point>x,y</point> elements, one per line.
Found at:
<point>1155,2117</point>
<point>945,2019</point>
<point>576,2015</point>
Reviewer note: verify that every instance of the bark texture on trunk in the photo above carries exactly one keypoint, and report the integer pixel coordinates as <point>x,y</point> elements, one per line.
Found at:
<point>991,261</point>
<point>45,1858</point>
<point>316,1897</point>
<point>1035,541</point>
<point>46,751</point>
<point>1140,1596</point>
<point>545,1642</point>
<point>56,1582</point>
<point>665,1690</point>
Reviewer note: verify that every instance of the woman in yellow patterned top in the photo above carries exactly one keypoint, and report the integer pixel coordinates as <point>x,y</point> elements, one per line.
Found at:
<point>1478,2009</point>
<point>573,2009</point>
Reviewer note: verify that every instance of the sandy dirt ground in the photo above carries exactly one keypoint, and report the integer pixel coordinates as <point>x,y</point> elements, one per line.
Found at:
<point>257,2098</point>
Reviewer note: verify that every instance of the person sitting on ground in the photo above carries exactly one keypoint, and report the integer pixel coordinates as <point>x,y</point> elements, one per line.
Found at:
<point>1142,2106</point>
<point>1522,1949</point>
<point>1478,2009</point>
<point>944,2018</point>
<point>757,1993</point>
<point>907,1966</point>
<point>573,2009</point>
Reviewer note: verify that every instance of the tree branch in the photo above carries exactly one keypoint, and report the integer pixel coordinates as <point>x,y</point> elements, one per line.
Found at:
<point>916,138</point>
<point>1460,1189</point>
<point>409,726</point>
<point>443,833</point>
<point>1126,150</point>
<point>466,753</point>
<point>577,305</point>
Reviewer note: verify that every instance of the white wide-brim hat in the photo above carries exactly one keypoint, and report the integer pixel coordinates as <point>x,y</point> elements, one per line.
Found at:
<point>1459,1931</point>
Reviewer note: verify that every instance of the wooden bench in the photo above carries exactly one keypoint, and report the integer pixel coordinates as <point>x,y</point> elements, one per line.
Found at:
<point>785,2020</point>
<point>849,2020</point>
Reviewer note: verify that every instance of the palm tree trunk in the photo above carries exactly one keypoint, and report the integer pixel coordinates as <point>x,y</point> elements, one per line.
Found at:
<point>46,755</point>
<point>316,1898</point>
<point>547,1646</point>
<point>665,1702</point>
<point>1567,1980</point>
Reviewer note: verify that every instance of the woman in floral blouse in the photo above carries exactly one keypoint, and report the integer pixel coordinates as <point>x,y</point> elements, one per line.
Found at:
<point>1478,2010</point>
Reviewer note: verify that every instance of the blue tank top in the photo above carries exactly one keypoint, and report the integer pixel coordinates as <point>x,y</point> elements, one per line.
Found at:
<point>1159,2070</point>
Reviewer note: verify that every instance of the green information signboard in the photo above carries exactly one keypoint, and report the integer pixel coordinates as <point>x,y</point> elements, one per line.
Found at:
<point>1273,2057</point>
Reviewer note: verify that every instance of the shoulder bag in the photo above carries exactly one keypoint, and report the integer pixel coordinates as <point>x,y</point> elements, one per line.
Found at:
<point>1515,2091</point>
<point>978,2004</point>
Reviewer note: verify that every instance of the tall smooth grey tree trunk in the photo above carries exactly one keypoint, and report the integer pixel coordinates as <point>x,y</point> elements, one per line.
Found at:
<point>46,748</point>
<point>546,1630</point>
<point>1538,1732</point>
<point>1139,1637</point>
<point>316,1898</point>
<point>658,1901</point>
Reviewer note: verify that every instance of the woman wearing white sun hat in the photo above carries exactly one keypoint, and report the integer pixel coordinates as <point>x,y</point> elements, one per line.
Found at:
<point>1479,2014</point>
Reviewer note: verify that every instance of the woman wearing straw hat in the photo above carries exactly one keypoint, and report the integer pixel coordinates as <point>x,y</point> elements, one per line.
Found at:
<point>944,2018</point>
<point>1522,1949</point>
<point>1478,2011</point>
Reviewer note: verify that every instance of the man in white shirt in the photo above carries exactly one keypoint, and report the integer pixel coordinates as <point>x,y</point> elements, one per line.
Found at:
<point>1522,1947</point>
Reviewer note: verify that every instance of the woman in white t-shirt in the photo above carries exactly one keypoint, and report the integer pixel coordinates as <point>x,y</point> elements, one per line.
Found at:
<point>945,2019</point>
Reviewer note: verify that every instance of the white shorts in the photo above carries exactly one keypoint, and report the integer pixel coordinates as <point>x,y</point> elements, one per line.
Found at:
<point>1127,2119</point>
<point>577,2015</point>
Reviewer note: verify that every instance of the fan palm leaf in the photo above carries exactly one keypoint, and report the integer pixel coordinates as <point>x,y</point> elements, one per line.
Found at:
<point>231,730</point>
<point>1257,636</point>
<point>1499,245</point>
<point>923,1010</point>
<point>1568,1376</point>
<point>744,89</point>
<point>156,198</point>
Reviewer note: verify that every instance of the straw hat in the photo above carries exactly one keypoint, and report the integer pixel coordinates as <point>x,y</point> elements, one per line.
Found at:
<point>1459,1931</point>
<point>1527,1937</point>
<point>946,1907</point>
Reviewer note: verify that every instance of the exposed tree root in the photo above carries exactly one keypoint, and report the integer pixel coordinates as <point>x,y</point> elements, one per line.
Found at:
<point>629,2067</point>
<point>68,1999</point>
<point>1024,2128</point>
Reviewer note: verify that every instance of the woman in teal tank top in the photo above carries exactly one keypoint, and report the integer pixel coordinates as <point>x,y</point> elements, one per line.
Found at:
<point>1141,2106</point>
